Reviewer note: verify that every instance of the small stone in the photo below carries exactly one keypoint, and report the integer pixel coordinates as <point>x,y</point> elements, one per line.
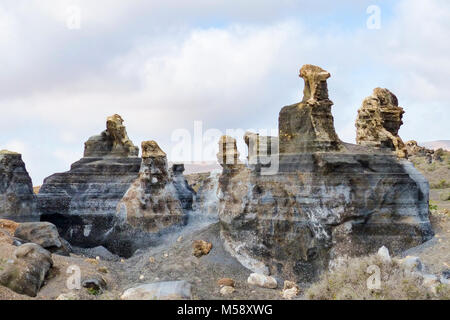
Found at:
<point>141,277</point>
<point>411,264</point>
<point>122,260</point>
<point>383,253</point>
<point>151,260</point>
<point>180,239</point>
<point>226,282</point>
<point>166,255</point>
<point>290,293</point>
<point>263,281</point>
<point>227,290</point>
<point>68,296</point>
<point>431,282</point>
<point>201,248</point>
<point>97,258</point>
<point>103,269</point>
<point>91,261</point>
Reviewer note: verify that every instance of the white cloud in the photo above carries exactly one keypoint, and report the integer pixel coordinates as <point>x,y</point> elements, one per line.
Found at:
<point>161,69</point>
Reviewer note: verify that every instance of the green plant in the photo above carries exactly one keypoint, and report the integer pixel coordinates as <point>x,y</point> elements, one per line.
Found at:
<point>93,291</point>
<point>432,207</point>
<point>443,184</point>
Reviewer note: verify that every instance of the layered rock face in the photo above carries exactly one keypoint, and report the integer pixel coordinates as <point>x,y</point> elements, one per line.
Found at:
<point>328,198</point>
<point>82,201</point>
<point>378,122</point>
<point>17,200</point>
<point>151,203</point>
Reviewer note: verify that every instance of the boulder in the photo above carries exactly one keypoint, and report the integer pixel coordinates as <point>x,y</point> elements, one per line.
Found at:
<point>379,120</point>
<point>17,200</point>
<point>326,199</point>
<point>26,272</point>
<point>44,234</point>
<point>168,290</point>
<point>263,281</point>
<point>82,201</point>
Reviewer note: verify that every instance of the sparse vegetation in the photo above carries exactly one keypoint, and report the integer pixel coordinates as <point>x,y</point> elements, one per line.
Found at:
<point>93,291</point>
<point>442,184</point>
<point>348,281</point>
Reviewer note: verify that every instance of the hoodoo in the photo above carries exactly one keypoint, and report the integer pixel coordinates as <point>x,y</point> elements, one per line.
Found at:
<point>82,201</point>
<point>328,198</point>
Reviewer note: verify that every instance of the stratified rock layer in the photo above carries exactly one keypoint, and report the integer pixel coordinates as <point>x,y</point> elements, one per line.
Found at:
<point>151,203</point>
<point>17,200</point>
<point>379,120</point>
<point>82,201</point>
<point>328,199</point>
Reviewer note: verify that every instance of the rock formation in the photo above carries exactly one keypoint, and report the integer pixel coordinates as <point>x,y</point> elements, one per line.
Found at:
<point>308,126</point>
<point>184,191</point>
<point>328,198</point>
<point>379,120</point>
<point>414,150</point>
<point>82,201</point>
<point>26,272</point>
<point>17,200</point>
<point>151,203</point>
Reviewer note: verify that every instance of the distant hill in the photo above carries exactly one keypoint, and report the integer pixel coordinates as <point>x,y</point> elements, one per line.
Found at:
<point>199,167</point>
<point>434,145</point>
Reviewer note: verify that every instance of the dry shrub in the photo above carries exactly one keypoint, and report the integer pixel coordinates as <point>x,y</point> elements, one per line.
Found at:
<point>348,281</point>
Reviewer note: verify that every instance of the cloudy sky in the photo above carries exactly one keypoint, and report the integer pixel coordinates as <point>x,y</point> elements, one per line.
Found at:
<point>67,65</point>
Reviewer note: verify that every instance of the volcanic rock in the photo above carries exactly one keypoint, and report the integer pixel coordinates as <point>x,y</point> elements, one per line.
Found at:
<point>82,201</point>
<point>262,281</point>
<point>328,198</point>
<point>168,290</point>
<point>183,191</point>
<point>379,120</point>
<point>17,200</point>
<point>308,126</point>
<point>26,273</point>
<point>201,248</point>
<point>44,234</point>
<point>151,203</point>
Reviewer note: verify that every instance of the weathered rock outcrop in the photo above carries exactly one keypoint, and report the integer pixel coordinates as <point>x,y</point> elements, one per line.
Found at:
<point>308,126</point>
<point>379,120</point>
<point>328,198</point>
<point>184,192</point>
<point>414,150</point>
<point>26,272</point>
<point>17,200</point>
<point>151,203</point>
<point>82,201</point>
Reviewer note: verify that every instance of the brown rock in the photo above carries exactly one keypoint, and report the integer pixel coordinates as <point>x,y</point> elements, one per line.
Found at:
<point>201,248</point>
<point>379,120</point>
<point>225,282</point>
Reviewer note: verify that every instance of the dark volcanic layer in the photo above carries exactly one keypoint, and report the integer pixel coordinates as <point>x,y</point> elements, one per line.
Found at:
<point>82,201</point>
<point>17,200</point>
<point>326,200</point>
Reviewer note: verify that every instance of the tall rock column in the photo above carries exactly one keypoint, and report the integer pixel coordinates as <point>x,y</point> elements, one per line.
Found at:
<point>151,203</point>
<point>379,120</point>
<point>308,126</point>
<point>17,200</point>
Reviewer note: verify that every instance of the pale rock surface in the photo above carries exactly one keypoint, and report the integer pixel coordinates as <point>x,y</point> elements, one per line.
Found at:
<point>383,253</point>
<point>168,290</point>
<point>263,281</point>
